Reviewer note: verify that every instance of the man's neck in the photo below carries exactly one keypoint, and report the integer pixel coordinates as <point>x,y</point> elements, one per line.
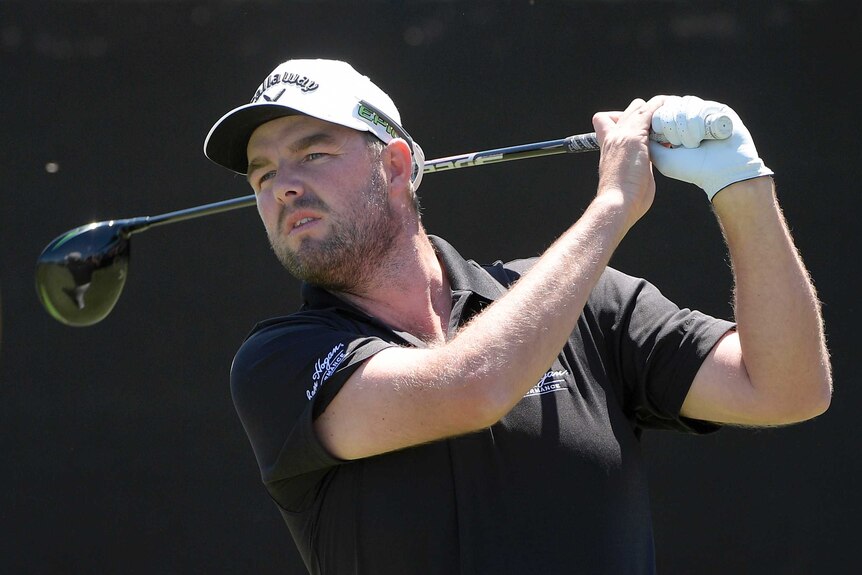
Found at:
<point>410,291</point>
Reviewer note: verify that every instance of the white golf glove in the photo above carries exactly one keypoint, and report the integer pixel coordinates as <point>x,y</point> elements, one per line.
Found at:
<point>709,164</point>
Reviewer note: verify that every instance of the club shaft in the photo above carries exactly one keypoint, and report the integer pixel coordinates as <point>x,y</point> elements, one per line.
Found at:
<point>570,145</point>
<point>141,224</point>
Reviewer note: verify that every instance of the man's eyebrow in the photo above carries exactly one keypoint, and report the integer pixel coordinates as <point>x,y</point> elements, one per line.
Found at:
<point>311,140</point>
<point>297,146</point>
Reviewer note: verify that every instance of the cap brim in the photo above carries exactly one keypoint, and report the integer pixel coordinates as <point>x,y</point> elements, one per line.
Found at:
<point>227,142</point>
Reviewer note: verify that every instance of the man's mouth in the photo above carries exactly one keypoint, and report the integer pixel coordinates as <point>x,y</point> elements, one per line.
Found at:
<point>303,221</point>
<point>301,224</point>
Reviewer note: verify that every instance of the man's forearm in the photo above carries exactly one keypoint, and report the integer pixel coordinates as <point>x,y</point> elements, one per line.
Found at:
<point>510,345</point>
<point>513,342</point>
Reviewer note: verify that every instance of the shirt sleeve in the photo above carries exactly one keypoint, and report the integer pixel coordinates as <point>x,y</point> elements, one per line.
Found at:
<point>656,349</point>
<point>282,377</point>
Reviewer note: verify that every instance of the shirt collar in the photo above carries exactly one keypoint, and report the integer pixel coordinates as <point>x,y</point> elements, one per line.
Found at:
<point>464,274</point>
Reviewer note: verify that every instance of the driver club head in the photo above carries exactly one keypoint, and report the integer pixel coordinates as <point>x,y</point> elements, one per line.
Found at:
<point>80,274</point>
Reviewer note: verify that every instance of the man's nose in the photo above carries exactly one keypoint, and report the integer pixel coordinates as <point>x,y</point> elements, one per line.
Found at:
<point>287,186</point>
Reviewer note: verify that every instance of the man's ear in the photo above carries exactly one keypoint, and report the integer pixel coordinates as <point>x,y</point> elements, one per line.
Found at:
<point>398,163</point>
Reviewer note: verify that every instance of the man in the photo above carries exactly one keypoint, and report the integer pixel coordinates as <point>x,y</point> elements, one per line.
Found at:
<point>425,414</point>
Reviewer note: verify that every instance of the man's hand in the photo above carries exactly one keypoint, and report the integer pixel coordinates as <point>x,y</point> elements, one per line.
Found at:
<point>712,165</point>
<point>625,171</point>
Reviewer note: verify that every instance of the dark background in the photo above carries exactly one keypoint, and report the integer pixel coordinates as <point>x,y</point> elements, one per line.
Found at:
<point>121,452</point>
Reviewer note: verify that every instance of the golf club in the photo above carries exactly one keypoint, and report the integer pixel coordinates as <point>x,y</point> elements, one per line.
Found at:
<point>81,273</point>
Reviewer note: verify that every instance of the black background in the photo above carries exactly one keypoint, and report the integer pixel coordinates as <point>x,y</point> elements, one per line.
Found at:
<point>121,452</point>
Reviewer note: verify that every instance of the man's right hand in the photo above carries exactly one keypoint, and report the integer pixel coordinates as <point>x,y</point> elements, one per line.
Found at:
<point>625,171</point>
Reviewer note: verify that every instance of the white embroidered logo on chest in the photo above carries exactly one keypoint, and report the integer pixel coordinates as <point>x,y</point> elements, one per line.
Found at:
<point>551,382</point>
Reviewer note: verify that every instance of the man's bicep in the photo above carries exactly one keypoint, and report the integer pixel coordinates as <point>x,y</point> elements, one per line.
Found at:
<point>398,398</point>
<point>722,391</point>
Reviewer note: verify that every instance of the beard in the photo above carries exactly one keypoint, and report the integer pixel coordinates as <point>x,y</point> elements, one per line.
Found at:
<point>359,240</point>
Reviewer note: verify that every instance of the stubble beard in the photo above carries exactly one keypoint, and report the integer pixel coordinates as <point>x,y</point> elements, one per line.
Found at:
<point>357,245</point>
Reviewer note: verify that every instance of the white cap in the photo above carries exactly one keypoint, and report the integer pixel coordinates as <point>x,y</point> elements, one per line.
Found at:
<point>328,90</point>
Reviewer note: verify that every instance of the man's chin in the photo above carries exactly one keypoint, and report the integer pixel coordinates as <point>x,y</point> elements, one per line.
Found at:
<point>303,264</point>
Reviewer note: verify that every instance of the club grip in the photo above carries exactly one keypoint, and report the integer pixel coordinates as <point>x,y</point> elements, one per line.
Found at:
<point>581,143</point>
<point>715,127</point>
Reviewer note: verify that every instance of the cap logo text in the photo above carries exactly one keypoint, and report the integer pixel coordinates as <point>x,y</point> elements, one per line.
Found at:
<point>304,83</point>
<point>374,119</point>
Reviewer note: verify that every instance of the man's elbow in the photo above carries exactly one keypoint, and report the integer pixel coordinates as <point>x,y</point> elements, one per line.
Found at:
<point>821,398</point>
<point>812,401</point>
<point>816,407</point>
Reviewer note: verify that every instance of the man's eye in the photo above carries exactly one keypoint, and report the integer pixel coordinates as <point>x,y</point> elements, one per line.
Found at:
<point>266,176</point>
<point>314,156</point>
